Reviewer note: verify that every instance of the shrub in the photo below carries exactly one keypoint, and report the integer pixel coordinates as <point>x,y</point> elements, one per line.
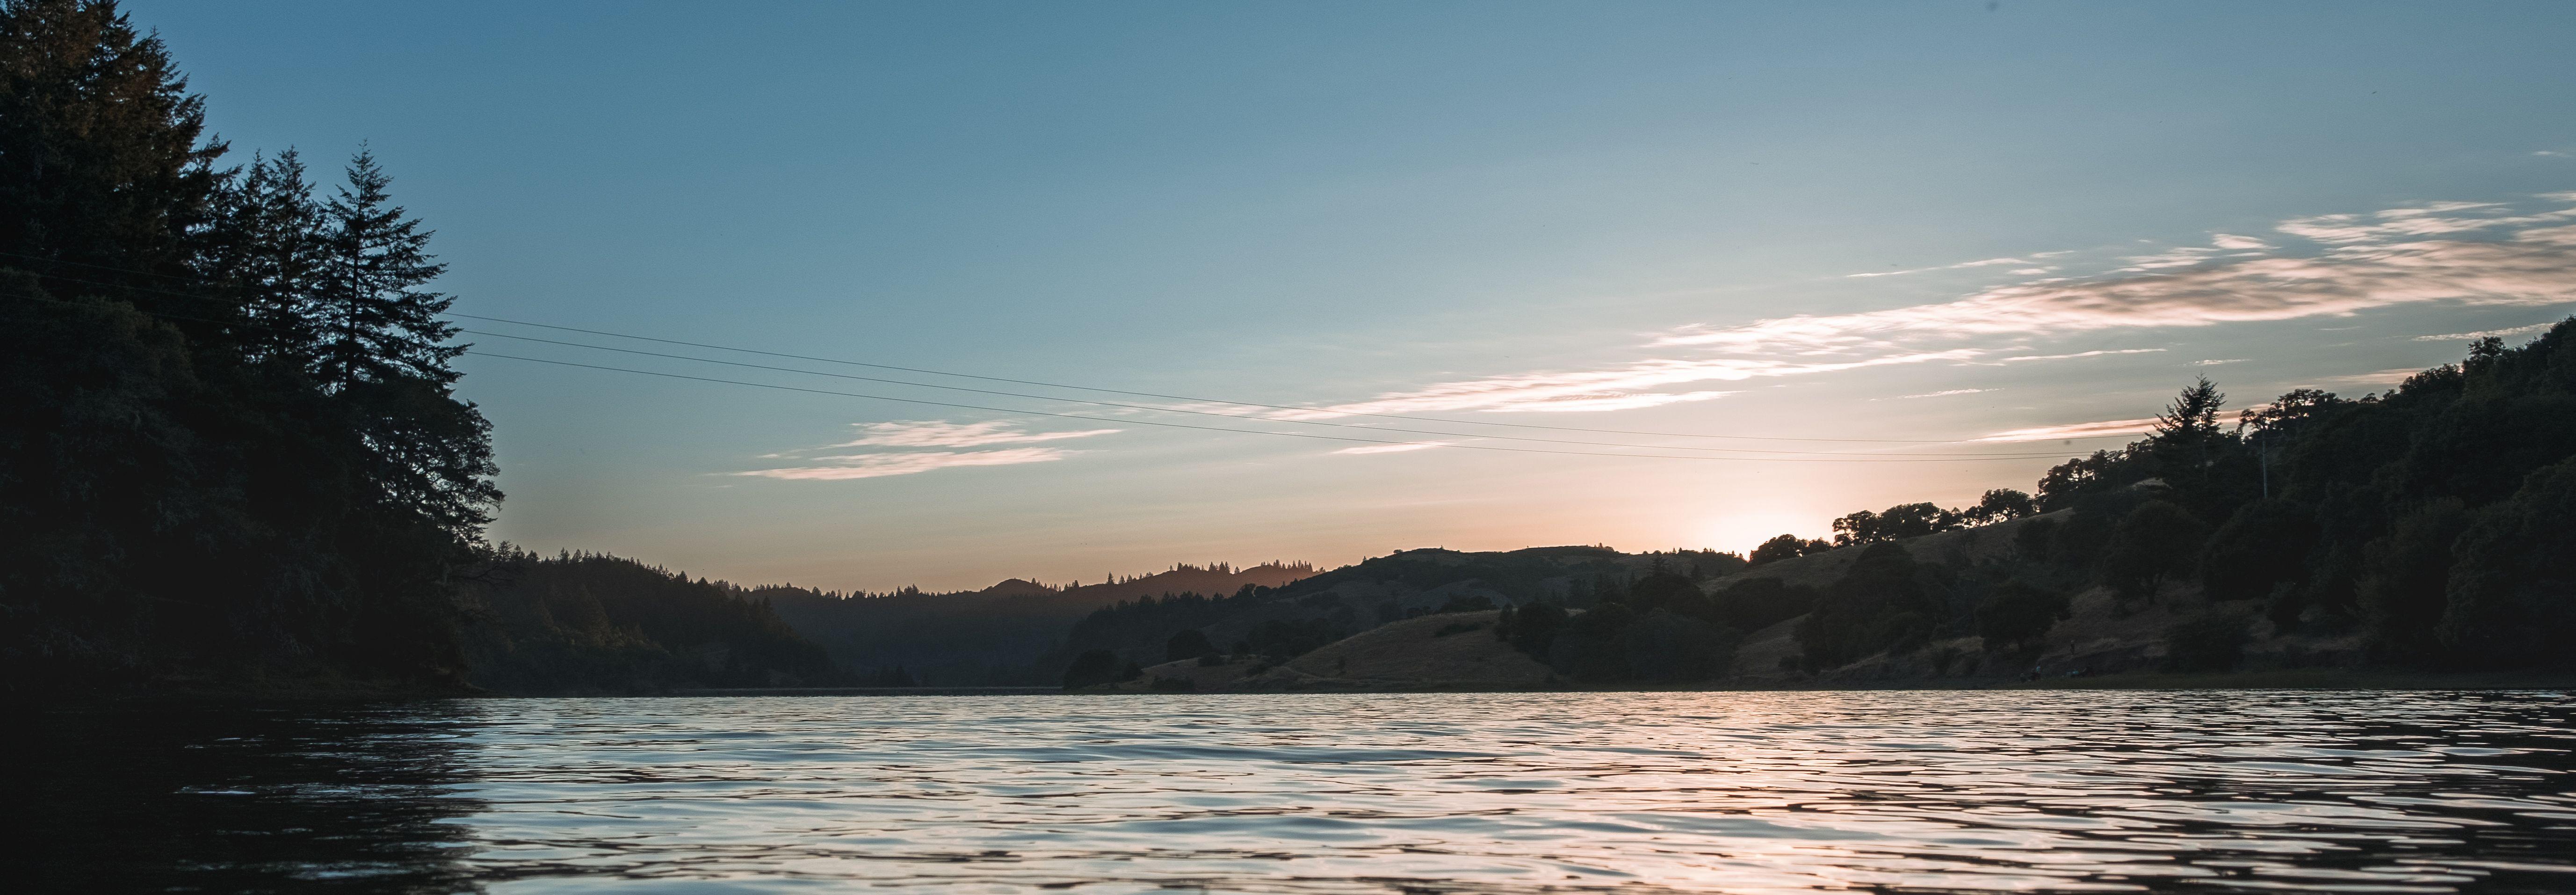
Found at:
<point>2214,641</point>
<point>1188,643</point>
<point>2512,595</point>
<point>1091,669</point>
<point>1878,605</point>
<point>1465,604</point>
<point>1534,628</point>
<point>2401,588</point>
<point>2018,615</point>
<point>2077,543</point>
<point>2154,542</point>
<point>1757,603</point>
<point>2034,538</point>
<point>2264,544</point>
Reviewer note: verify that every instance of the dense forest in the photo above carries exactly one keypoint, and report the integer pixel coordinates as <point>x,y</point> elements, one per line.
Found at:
<point>233,456</point>
<point>586,623</point>
<point>2435,522</point>
<point>233,446</point>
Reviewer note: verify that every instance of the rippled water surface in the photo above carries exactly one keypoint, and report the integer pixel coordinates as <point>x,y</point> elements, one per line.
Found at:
<point>1737,792</point>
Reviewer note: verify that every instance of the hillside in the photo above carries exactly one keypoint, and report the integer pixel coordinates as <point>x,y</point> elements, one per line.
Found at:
<point>1288,621</point>
<point>585,624</point>
<point>998,635</point>
<point>1446,651</point>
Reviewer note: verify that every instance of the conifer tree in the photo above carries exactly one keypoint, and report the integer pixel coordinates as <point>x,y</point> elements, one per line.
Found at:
<point>102,173</point>
<point>267,248</point>
<point>379,324</point>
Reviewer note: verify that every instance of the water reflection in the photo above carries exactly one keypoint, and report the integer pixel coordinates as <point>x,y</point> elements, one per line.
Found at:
<point>1738,792</point>
<point>243,799</point>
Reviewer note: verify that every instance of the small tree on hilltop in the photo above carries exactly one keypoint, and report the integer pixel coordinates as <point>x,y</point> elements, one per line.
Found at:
<point>1999,505</point>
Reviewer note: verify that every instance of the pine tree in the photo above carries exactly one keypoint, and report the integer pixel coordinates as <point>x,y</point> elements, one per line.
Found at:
<point>378,323</point>
<point>102,174</point>
<point>267,247</point>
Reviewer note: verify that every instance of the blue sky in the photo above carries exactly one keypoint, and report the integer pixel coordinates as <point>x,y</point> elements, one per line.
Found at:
<point>1642,217</point>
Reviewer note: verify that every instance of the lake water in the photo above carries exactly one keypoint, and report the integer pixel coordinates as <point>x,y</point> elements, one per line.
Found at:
<point>1736,792</point>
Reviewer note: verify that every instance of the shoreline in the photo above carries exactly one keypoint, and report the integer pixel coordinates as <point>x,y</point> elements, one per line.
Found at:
<point>2389,680</point>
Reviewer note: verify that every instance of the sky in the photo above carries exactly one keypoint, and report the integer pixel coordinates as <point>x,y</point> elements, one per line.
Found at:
<point>1862,243</point>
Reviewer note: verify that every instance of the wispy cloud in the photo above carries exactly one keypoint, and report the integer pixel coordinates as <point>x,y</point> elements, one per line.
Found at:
<point>2075,430</point>
<point>2487,333</point>
<point>1624,387</point>
<point>2478,254</point>
<point>2095,353</point>
<point>1948,392</point>
<point>1990,262</point>
<point>2213,363</point>
<point>1391,448</point>
<point>2432,219</point>
<point>936,433</point>
<point>2362,269</point>
<point>2380,377</point>
<point>900,443</point>
<point>869,466</point>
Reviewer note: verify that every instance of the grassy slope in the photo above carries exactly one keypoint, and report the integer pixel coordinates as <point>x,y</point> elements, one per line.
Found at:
<point>2097,638</point>
<point>1407,655</point>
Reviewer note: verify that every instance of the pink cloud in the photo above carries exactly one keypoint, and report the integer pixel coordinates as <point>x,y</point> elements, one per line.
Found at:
<point>936,433</point>
<point>1618,388</point>
<point>2369,261</point>
<point>869,466</point>
<point>2532,268</point>
<point>2075,430</point>
<point>1391,448</point>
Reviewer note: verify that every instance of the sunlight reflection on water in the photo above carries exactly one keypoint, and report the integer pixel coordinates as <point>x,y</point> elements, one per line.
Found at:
<point>1737,792</point>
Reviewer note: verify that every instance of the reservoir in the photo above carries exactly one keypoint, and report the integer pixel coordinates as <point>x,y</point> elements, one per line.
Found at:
<point>2071,790</point>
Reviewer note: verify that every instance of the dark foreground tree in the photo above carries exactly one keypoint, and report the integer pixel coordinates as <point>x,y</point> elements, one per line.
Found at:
<point>1879,605</point>
<point>1092,669</point>
<point>2154,543</point>
<point>1188,643</point>
<point>226,481</point>
<point>2016,616</point>
<point>2511,598</point>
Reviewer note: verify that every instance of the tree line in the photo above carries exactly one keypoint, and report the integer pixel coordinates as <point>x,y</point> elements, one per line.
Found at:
<point>233,446</point>
<point>2437,521</point>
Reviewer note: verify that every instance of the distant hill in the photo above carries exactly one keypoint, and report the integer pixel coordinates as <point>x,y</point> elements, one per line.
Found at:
<point>998,635</point>
<point>1444,651</point>
<point>1290,621</point>
<point>589,623</point>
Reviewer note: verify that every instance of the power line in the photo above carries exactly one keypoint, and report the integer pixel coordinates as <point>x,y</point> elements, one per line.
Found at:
<point>1085,388</point>
<point>1443,420</point>
<point>1006,410</point>
<point>1237,416</point>
<point>1307,435</point>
